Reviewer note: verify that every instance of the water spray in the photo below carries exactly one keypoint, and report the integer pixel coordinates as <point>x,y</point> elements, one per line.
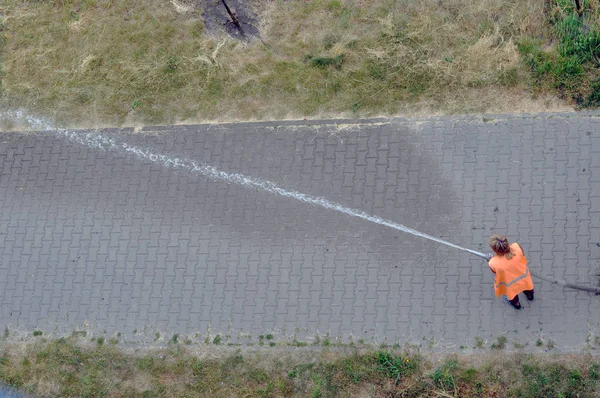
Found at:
<point>97,141</point>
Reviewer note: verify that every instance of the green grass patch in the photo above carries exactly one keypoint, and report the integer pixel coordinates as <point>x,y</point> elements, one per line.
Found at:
<point>396,366</point>
<point>444,376</point>
<point>569,64</point>
<point>500,343</point>
<point>323,62</point>
<point>68,367</point>
<point>554,380</point>
<point>479,342</point>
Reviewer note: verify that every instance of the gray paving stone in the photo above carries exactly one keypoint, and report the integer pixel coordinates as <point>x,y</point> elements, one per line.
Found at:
<point>119,243</point>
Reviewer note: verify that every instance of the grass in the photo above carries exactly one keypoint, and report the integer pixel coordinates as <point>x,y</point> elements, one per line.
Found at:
<point>445,376</point>
<point>157,64</point>
<point>395,366</point>
<point>479,342</point>
<point>500,343</point>
<point>69,367</point>
<point>568,66</point>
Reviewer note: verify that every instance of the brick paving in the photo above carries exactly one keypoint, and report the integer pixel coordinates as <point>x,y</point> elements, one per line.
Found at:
<point>112,242</point>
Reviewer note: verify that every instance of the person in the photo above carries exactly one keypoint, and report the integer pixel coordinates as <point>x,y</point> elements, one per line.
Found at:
<point>509,264</point>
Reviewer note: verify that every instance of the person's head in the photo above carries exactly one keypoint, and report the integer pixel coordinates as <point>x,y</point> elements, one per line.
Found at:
<point>499,244</point>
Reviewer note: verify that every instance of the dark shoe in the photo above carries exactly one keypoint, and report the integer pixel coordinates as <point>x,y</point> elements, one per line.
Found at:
<point>529,295</point>
<point>515,306</point>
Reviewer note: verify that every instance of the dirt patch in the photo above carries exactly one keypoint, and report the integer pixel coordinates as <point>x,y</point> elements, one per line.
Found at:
<point>234,16</point>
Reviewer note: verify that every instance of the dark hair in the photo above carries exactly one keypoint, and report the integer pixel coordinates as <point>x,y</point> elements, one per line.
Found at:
<point>499,244</point>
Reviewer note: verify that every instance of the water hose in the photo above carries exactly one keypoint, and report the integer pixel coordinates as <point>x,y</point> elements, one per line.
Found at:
<point>560,282</point>
<point>486,257</point>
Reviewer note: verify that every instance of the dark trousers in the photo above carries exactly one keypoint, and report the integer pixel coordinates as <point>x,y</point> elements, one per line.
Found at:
<point>528,293</point>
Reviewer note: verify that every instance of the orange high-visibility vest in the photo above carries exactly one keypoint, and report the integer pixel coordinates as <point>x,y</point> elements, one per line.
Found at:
<point>512,276</point>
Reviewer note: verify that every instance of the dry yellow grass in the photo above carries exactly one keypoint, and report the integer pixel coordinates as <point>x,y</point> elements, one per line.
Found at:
<point>116,62</point>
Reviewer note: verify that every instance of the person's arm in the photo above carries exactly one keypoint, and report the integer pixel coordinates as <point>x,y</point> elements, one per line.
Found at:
<point>492,268</point>
<point>521,247</point>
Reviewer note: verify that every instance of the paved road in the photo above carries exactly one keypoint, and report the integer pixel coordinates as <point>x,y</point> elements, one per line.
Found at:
<point>125,239</point>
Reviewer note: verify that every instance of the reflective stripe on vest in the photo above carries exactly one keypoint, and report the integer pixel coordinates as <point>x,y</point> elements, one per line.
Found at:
<point>514,280</point>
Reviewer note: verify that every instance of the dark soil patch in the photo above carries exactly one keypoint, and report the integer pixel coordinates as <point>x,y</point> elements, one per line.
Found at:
<point>216,18</point>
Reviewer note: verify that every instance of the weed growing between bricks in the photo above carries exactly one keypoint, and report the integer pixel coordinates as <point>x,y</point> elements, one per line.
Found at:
<point>70,367</point>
